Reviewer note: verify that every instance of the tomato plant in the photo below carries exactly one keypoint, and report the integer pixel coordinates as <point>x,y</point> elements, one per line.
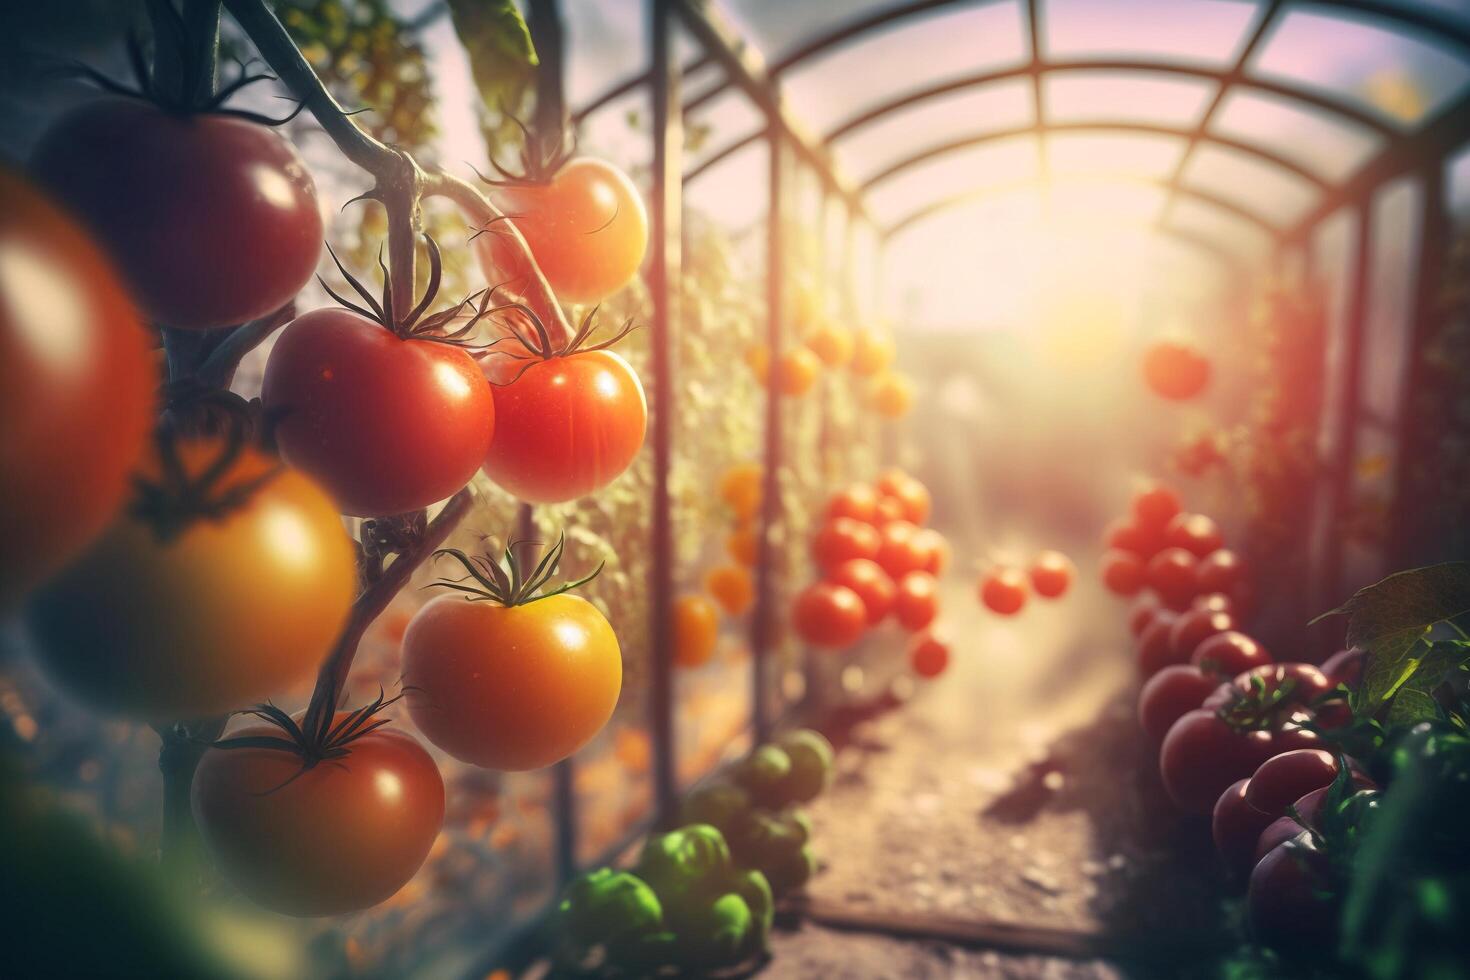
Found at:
<point>916,601</point>
<point>390,415</point>
<point>829,616</point>
<point>569,421</point>
<point>585,224</point>
<point>1003,590</point>
<point>513,674</point>
<point>76,389</point>
<point>696,628</point>
<point>872,585</point>
<point>219,221</point>
<point>228,580</point>
<point>320,830</point>
<point>1051,574</point>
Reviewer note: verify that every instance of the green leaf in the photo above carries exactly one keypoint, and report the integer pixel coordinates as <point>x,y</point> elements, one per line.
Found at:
<point>1389,618</point>
<point>1414,701</point>
<point>498,42</point>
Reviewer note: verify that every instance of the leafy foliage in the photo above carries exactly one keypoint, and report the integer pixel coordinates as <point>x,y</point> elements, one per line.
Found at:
<point>502,59</point>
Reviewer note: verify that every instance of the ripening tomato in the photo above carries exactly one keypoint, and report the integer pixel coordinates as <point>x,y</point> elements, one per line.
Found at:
<point>1176,369</point>
<point>831,344</point>
<point>932,549</point>
<point>858,501</point>
<point>1003,590</point>
<point>696,629</point>
<point>335,837</point>
<point>511,687</point>
<point>76,390</point>
<point>586,227</point>
<point>829,616</point>
<point>1228,654</point>
<point>387,425</point>
<point>743,544</point>
<point>897,551</point>
<point>871,353</point>
<point>1051,574</point>
<point>731,587</point>
<point>797,372</point>
<point>1123,572</point>
<point>871,584</point>
<point>892,395</point>
<point>567,427</point>
<point>912,496</point>
<point>1169,694</point>
<point>162,623</point>
<point>1155,506</point>
<point>1195,533</point>
<point>844,539</point>
<point>213,219</point>
<point>916,601</point>
<point>741,489</point>
<point>1195,626</point>
<point>1171,576</point>
<point>928,654</point>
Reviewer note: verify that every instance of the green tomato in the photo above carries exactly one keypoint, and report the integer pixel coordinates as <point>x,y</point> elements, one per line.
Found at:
<point>766,840</point>
<point>756,890</point>
<point>763,773</point>
<point>791,871</point>
<point>685,867</point>
<point>811,765</point>
<point>721,805</point>
<point>608,908</point>
<point>717,932</point>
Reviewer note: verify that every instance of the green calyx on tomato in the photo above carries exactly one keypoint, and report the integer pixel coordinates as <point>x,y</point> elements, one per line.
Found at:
<point>538,345</point>
<point>504,582</point>
<point>313,742</point>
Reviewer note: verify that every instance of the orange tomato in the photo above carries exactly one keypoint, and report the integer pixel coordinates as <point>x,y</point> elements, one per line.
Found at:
<point>858,501</point>
<point>758,358</point>
<point>916,603</point>
<point>797,372</point>
<point>892,395</point>
<point>913,497</point>
<point>933,551</point>
<point>696,628</point>
<point>833,345</point>
<point>871,353</point>
<point>743,544</point>
<point>742,488</point>
<point>870,582</point>
<point>897,552</point>
<point>1003,590</point>
<point>732,588</point>
<point>829,616</point>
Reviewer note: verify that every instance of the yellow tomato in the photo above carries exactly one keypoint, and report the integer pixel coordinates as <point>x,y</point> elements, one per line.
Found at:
<point>696,627</point>
<point>732,588</point>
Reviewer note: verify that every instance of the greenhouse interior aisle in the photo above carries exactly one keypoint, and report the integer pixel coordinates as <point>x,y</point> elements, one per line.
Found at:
<point>1010,811</point>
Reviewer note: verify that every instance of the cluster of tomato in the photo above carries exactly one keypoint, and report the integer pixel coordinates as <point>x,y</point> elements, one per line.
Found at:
<point>865,353</point>
<point>1237,732</point>
<point>191,574</point>
<point>877,560</point>
<point>1004,589</point>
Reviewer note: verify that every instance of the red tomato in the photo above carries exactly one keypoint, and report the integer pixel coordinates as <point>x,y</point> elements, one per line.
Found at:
<point>1155,506</point>
<point>858,501</point>
<point>1222,570</point>
<point>1307,684</point>
<point>76,390</point>
<point>387,425</point>
<point>829,616</point>
<point>1051,574</point>
<point>1171,575</point>
<point>890,509</point>
<point>912,496</point>
<point>214,220</point>
<point>1123,572</point>
<point>1295,901</point>
<point>933,551</point>
<point>1126,535</point>
<point>1168,695</point>
<point>1194,627</point>
<point>586,227</point>
<point>511,687</point>
<point>567,427</point>
<point>1003,590</point>
<point>336,837</point>
<point>1213,601</point>
<point>1155,646</point>
<point>1344,667</point>
<point>1285,778</point>
<point>1141,616</point>
<point>871,584</point>
<point>1195,533</point>
<point>897,551</point>
<point>928,654</point>
<point>843,539</point>
<point>916,602</point>
<point>1229,653</point>
<point>1175,369</point>
<point>1202,755</point>
<point>1236,827</point>
<point>1309,808</point>
<point>163,622</point>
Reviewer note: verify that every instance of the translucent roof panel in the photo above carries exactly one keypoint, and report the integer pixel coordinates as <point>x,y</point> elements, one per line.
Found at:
<point>1201,32</point>
<point>606,42</point>
<point>1399,76</point>
<point>1127,201</point>
<point>733,192</point>
<point>1250,182</point>
<point>777,26</point>
<point>619,130</point>
<point>725,119</point>
<point>1332,148</point>
<point>1137,96</point>
<point>1092,154</point>
<point>948,43</point>
<point>1217,225</point>
<point>995,107</point>
<point>1006,161</point>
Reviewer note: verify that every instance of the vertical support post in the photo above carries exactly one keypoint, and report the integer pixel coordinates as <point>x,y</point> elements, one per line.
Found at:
<point>765,573</point>
<point>663,282</point>
<point>1406,529</point>
<point>1342,415</point>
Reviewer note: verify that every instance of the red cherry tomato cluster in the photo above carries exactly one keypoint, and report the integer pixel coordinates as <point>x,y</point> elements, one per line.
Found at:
<point>878,561</point>
<point>1004,589</point>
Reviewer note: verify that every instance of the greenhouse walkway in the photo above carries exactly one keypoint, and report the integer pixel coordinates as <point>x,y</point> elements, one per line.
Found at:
<point>1006,821</point>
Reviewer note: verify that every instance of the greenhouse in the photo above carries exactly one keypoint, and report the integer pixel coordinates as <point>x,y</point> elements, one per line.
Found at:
<point>726,488</point>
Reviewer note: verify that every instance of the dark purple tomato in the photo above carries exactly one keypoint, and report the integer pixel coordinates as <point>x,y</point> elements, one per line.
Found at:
<point>1294,900</point>
<point>1236,827</point>
<point>1202,755</point>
